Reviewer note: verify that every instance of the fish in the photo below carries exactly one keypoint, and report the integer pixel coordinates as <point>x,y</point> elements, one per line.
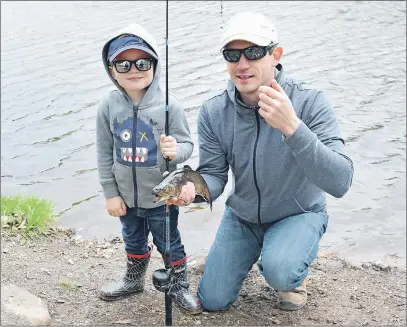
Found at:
<point>171,185</point>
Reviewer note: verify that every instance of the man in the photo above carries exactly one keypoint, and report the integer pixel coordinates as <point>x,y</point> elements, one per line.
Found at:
<point>283,144</point>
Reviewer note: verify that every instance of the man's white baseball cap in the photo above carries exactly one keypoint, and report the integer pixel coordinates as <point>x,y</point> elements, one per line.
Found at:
<point>249,26</point>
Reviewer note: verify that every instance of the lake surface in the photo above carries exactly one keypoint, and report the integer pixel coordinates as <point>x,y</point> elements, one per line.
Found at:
<point>52,78</point>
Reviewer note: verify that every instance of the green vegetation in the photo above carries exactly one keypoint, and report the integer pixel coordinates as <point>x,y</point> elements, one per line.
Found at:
<point>27,214</point>
<point>67,283</point>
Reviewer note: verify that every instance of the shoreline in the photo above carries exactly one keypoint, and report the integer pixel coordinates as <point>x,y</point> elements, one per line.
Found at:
<point>66,274</point>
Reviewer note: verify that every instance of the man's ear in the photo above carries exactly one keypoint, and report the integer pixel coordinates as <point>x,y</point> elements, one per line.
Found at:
<point>277,54</point>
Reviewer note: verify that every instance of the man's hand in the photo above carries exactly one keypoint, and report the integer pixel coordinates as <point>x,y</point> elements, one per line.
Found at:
<point>276,108</point>
<point>168,146</point>
<point>115,206</point>
<point>186,197</point>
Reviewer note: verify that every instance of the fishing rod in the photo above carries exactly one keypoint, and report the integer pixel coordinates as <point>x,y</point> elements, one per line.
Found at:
<point>162,277</point>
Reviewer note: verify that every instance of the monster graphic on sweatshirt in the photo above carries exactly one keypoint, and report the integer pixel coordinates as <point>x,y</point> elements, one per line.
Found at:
<point>145,152</point>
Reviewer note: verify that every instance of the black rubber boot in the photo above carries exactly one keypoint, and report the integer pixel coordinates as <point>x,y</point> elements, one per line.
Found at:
<point>179,289</point>
<point>133,280</point>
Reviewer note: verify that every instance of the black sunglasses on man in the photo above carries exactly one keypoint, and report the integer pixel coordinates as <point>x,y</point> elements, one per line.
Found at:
<point>253,52</point>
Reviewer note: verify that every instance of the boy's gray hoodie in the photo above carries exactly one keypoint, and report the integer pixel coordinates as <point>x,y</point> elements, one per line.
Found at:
<point>129,158</point>
<point>274,177</point>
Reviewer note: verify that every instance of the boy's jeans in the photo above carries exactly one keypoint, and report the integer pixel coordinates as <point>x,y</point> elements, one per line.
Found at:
<point>138,223</point>
<point>287,248</point>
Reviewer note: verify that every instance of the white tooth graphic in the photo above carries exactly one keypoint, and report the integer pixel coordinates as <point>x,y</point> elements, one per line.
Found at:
<point>144,150</point>
<point>131,150</point>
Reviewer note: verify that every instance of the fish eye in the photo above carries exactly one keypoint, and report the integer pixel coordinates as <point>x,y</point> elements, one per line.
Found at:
<point>125,135</point>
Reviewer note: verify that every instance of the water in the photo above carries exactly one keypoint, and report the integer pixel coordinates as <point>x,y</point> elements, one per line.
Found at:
<point>52,78</point>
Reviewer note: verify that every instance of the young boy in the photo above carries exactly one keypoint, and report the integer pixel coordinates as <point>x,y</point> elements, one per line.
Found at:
<point>131,151</point>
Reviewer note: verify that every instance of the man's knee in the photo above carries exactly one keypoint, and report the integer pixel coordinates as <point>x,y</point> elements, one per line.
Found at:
<point>214,299</point>
<point>284,274</point>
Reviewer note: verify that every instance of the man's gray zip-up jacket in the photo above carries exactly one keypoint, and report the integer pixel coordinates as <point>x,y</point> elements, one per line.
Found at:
<point>274,176</point>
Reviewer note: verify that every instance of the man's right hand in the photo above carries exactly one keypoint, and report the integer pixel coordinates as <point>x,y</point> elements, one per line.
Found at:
<point>115,206</point>
<point>186,197</point>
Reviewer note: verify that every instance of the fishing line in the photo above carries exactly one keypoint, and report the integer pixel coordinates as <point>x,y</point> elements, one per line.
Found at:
<point>162,278</point>
<point>167,252</point>
<point>221,14</point>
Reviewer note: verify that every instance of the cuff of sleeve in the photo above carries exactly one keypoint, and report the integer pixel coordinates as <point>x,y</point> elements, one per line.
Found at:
<point>301,138</point>
<point>110,190</point>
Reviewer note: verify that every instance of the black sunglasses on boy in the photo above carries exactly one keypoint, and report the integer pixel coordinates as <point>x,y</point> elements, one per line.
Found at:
<point>124,66</point>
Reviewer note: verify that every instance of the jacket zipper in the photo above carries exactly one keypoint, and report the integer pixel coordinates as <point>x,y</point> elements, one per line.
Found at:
<point>134,153</point>
<point>254,166</point>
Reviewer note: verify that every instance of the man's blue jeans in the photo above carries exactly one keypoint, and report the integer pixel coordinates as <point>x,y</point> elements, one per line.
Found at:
<point>287,248</point>
<point>138,223</point>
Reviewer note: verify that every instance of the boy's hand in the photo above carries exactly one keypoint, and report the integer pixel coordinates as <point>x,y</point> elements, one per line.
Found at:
<point>115,206</point>
<point>168,146</point>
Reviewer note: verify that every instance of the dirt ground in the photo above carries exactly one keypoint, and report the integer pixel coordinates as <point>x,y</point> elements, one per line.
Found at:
<point>67,272</point>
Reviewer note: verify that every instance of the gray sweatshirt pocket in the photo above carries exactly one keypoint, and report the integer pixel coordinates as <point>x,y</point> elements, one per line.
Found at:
<point>124,179</point>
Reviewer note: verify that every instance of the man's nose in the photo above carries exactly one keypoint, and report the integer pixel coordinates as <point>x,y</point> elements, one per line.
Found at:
<point>243,62</point>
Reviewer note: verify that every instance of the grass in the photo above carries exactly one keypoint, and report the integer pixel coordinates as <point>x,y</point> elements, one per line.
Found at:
<point>67,283</point>
<point>28,214</point>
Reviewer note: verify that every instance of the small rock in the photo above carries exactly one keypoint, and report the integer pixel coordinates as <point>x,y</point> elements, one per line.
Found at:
<point>60,301</point>
<point>70,261</point>
<point>5,250</point>
<point>123,322</point>
<point>335,278</point>
<point>46,271</point>
<point>78,238</point>
<point>200,266</point>
<point>22,303</point>
<point>243,294</point>
<point>365,323</point>
<point>352,297</point>
<point>198,322</point>
<point>378,266</point>
<point>85,255</point>
<point>115,240</point>
<point>276,322</point>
